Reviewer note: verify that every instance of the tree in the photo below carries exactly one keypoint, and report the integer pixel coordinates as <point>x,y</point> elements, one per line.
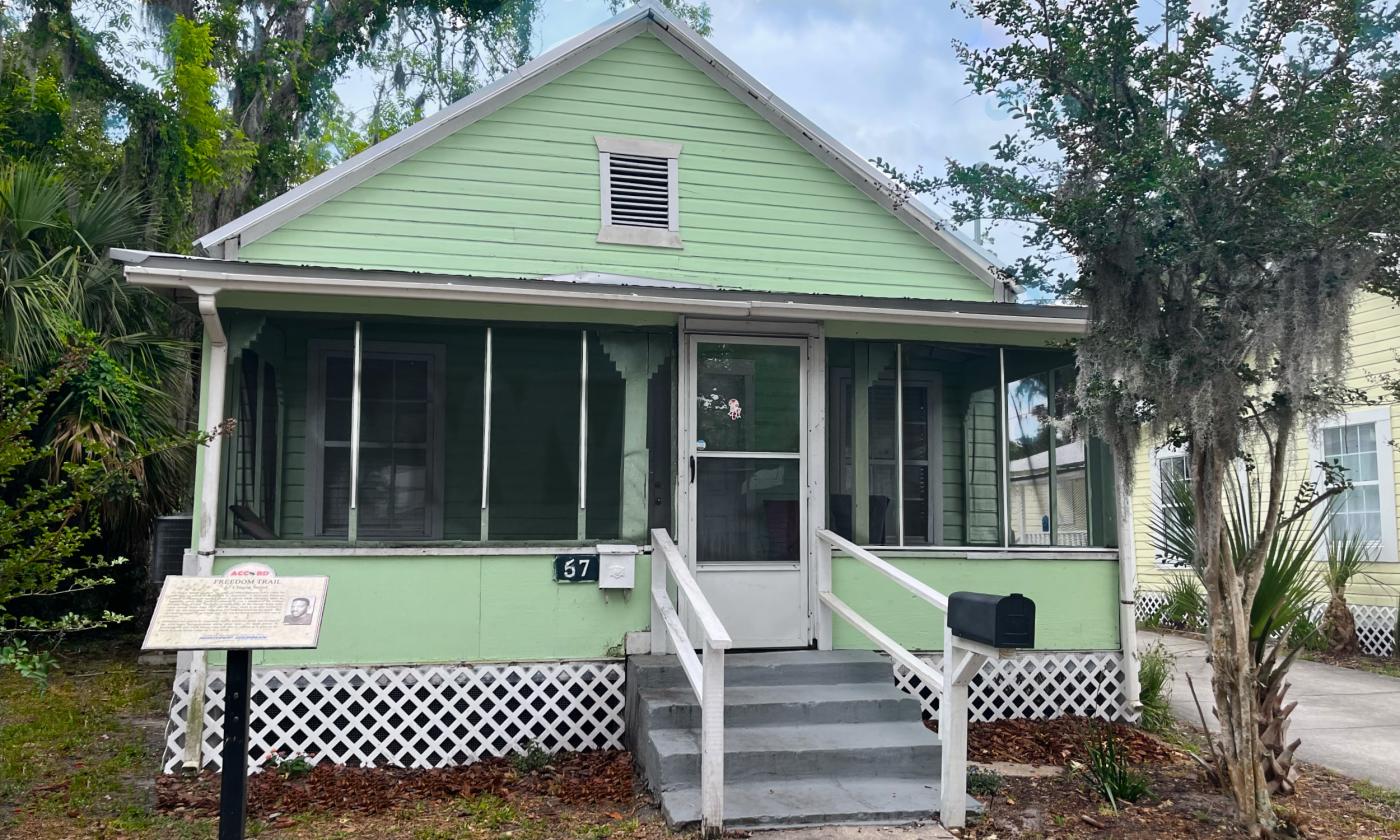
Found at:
<point>56,282</point>
<point>48,525</point>
<point>1223,184</point>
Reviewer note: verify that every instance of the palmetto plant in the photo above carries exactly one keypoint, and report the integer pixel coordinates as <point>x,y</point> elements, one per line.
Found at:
<point>1285,596</point>
<point>1346,555</point>
<point>57,282</point>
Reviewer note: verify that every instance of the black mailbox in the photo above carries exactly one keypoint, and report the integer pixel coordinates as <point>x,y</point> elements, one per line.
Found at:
<point>1004,621</point>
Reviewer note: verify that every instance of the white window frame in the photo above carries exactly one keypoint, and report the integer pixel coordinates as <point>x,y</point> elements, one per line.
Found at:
<point>669,237</point>
<point>317,352</point>
<point>1385,472</point>
<point>1159,454</point>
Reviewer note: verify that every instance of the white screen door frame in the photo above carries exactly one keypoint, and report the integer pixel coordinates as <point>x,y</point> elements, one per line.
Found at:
<point>763,604</point>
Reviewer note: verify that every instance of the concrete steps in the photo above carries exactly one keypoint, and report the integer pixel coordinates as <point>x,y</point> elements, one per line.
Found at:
<point>811,738</point>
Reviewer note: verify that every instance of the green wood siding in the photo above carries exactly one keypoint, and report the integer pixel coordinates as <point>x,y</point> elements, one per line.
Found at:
<point>517,194</point>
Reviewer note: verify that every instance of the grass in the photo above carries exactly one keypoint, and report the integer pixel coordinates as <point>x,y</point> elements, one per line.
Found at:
<point>70,749</point>
<point>1377,794</point>
<point>77,761</point>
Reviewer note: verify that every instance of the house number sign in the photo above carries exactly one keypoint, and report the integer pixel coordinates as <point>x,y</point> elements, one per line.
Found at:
<point>575,568</point>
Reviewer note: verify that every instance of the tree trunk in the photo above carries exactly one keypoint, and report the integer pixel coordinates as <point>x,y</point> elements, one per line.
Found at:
<point>1339,627</point>
<point>1239,750</point>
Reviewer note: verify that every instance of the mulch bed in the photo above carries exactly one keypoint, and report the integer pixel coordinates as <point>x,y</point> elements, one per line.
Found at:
<point>1385,665</point>
<point>1061,741</point>
<point>570,778</point>
<point>1181,803</point>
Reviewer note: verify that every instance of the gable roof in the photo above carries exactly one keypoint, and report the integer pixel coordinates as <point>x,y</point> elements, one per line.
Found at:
<point>647,17</point>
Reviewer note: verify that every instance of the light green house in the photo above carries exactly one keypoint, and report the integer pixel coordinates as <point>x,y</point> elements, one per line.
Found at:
<point>624,292</point>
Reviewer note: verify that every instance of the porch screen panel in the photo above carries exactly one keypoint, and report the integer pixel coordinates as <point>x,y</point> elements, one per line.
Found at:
<point>607,395</point>
<point>535,389</point>
<point>1071,465</point>
<point>932,452</point>
<point>1029,451</point>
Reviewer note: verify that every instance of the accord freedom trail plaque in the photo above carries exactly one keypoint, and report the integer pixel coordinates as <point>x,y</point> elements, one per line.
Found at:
<point>246,610</point>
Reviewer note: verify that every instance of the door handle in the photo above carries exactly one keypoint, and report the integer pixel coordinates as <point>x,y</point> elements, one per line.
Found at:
<point>692,469</point>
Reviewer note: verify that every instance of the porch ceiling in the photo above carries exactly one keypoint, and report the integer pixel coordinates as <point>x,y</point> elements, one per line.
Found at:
<point>586,290</point>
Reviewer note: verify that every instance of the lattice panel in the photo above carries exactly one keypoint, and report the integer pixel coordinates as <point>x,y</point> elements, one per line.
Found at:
<point>1146,605</point>
<point>1035,686</point>
<point>1375,627</point>
<point>413,717</point>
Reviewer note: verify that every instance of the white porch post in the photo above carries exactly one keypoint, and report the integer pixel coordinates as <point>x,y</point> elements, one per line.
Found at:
<point>712,741</point>
<point>208,521</point>
<point>952,734</point>
<point>1127,586</point>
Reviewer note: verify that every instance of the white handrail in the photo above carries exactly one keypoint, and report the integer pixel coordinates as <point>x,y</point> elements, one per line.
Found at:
<point>705,673</point>
<point>960,662</point>
<point>904,579</point>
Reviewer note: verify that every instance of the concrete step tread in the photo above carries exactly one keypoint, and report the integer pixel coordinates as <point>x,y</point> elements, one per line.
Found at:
<point>776,803</point>
<point>773,658</point>
<point>744,695</point>
<point>826,737</point>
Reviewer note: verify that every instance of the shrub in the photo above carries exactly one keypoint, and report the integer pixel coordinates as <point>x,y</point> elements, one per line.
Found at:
<point>1109,773</point>
<point>1154,687</point>
<point>1306,634</point>
<point>1185,608</point>
<point>534,758</point>
<point>983,781</point>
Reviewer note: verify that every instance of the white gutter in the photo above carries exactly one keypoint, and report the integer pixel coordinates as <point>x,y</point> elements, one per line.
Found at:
<point>206,527</point>
<point>623,300</point>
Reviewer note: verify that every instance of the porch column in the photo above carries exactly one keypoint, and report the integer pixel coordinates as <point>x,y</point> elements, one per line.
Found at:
<point>860,445</point>
<point>636,356</point>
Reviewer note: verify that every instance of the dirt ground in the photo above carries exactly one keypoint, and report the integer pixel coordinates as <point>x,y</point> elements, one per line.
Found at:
<point>78,759</point>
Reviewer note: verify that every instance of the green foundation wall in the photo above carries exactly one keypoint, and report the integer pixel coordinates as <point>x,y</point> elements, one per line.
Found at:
<point>1076,601</point>
<point>416,610</point>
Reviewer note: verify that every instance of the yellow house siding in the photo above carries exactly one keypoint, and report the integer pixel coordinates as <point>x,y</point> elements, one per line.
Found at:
<point>1375,351</point>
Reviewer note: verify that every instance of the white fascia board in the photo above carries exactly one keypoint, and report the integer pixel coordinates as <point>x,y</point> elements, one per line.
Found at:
<point>211,281</point>
<point>528,77</point>
<point>854,168</point>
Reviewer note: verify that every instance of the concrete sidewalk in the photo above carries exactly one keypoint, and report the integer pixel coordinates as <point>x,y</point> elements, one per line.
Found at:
<point>1348,720</point>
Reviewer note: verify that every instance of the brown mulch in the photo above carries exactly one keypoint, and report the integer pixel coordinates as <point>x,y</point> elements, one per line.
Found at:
<point>1060,741</point>
<point>1383,665</point>
<point>571,778</point>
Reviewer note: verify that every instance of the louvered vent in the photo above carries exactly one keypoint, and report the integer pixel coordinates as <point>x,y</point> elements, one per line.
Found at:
<point>639,191</point>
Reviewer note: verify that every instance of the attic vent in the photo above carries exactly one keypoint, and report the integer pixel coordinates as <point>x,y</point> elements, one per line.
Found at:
<point>639,200</point>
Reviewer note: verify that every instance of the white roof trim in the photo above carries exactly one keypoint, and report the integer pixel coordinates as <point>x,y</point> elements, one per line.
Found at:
<point>650,16</point>
<point>211,277</point>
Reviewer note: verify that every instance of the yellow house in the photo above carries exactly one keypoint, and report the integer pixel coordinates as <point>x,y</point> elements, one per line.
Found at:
<point>1360,439</point>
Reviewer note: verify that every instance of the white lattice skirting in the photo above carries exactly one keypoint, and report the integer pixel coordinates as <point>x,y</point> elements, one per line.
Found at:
<point>1035,686</point>
<point>1375,624</point>
<point>413,717</point>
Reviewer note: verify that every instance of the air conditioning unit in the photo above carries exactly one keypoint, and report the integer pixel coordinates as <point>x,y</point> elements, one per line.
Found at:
<point>169,541</point>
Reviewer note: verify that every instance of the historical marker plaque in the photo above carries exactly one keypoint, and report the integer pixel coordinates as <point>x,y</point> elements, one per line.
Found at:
<point>237,613</point>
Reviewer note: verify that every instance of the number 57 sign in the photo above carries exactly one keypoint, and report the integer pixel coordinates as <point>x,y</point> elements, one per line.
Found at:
<point>576,568</point>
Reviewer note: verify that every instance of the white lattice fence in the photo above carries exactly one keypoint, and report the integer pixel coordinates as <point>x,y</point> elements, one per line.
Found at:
<point>1147,604</point>
<point>1035,686</point>
<point>1375,624</point>
<point>1375,627</point>
<point>413,717</point>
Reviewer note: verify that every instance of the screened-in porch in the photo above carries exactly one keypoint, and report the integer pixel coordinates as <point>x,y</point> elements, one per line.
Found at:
<point>392,431</point>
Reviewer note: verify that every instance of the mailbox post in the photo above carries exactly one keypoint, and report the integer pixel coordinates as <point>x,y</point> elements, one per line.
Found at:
<point>978,627</point>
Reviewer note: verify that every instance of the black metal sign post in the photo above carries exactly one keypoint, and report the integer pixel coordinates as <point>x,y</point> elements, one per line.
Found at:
<point>233,784</point>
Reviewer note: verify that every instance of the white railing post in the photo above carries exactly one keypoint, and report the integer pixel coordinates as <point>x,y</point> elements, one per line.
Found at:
<point>824,641</point>
<point>952,732</point>
<point>712,742</point>
<point>659,593</point>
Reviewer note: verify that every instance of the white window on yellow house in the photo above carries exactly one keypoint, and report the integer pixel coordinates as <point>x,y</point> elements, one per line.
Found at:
<point>1170,466</point>
<point>1359,443</point>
